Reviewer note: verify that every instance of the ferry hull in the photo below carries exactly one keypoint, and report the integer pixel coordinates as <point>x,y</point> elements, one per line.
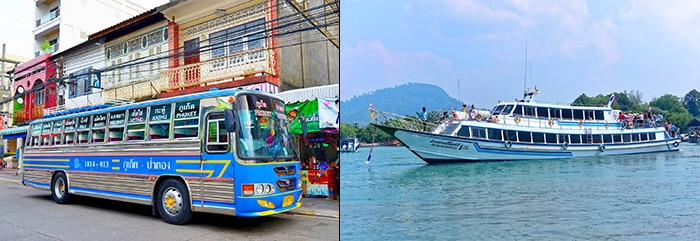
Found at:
<point>436,148</point>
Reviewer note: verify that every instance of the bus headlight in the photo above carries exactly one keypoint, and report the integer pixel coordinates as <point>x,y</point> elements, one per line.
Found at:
<point>259,189</point>
<point>268,188</point>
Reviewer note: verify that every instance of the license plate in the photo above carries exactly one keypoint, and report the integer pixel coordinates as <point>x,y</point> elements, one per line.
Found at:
<point>288,200</point>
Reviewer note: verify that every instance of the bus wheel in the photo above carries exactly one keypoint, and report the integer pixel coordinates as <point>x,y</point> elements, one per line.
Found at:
<point>59,188</point>
<point>173,202</point>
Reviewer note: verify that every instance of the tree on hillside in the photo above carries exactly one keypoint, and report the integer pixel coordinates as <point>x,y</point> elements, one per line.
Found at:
<point>671,107</point>
<point>691,102</point>
<point>634,96</point>
<point>348,130</point>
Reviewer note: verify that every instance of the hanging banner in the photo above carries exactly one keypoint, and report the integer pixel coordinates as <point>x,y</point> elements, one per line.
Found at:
<point>308,110</point>
<point>328,113</point>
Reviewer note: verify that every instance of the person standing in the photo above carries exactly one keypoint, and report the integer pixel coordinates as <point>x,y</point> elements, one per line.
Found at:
<point>464,108</point>
<point>424,118</point>
<point>472,113</point>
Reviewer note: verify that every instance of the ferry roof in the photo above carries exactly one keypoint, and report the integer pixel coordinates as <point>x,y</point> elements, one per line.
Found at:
<point>194,96</point>
<point>560,106</point>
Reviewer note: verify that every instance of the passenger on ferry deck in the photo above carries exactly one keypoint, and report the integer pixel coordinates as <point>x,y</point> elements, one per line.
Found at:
<point>464,108</point>
<point>621,116</point>
<point>472,113</point>
<point>454,115</point>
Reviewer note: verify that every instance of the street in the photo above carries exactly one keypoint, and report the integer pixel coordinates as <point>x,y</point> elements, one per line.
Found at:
<point>30,214</point>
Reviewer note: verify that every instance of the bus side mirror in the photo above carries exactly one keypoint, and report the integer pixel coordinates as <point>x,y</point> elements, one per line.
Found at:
<point>229,120</point>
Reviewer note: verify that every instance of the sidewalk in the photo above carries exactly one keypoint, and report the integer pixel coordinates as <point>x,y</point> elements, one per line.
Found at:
<point>319,207</point>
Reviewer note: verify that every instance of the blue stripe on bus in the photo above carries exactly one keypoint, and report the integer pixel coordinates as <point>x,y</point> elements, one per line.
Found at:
<point>198,203</point>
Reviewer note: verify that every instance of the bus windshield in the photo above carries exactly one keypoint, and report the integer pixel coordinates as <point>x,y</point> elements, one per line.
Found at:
<point>263,133</point>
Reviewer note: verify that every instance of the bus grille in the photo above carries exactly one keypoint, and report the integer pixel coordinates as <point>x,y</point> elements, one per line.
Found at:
<point>286,184</point>
<point>284,170</point>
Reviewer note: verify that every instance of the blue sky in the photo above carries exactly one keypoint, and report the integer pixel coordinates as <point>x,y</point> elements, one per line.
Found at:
<point>573,47</point>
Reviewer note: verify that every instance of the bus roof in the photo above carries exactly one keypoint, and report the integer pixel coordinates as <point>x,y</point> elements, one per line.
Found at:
<point>194,96</point>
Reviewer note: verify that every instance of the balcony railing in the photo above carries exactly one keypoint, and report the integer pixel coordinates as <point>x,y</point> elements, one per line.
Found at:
<point>36,113</point>
<point>218,69</point>
<point>48,17</point>
<point>51,49</point>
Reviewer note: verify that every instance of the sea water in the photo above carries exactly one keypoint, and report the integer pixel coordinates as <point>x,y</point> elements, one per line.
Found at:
<point>396,196</point>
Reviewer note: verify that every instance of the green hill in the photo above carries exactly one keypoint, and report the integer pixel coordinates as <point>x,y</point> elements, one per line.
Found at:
<point>404,99</point>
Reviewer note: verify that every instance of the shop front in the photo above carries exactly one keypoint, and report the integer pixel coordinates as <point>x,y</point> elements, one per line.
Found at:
<point>315,126</point>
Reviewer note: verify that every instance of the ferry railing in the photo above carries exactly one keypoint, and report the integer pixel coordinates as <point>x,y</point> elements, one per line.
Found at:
<point>403,122</point>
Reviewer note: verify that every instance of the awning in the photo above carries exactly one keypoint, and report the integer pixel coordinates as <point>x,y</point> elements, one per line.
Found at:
<point>300,95</point>
<point>13,132</point>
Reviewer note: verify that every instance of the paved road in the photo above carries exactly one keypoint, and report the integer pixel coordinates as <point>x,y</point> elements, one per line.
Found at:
<point>30,214</point>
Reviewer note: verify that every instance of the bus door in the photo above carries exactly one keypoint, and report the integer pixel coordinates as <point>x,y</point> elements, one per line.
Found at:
<point>217,160</point>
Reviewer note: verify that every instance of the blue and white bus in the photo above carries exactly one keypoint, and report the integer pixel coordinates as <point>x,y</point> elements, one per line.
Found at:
<point>221,151</point>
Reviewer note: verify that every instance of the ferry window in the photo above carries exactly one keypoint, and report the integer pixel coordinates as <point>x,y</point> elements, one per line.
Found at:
<point>495,134</point>
<point>599,115</point>
<point>537,137</point>
<point>497,110</point>
<point>596,139</point>
<point>555,113</point>
<point>99,123</point>
<point>136,125</point>
<point>478,132</point>
<point>576,139</point>
<point>644,136</point>
<point>518,110</point>
<point>635,137</point>
<point>511,135</point>
<point>567,114</point>
<point>217,137</point>
<point>186,123</point>
<point>578,114</point>
<point>508,109</point>
<point>607,138</point>
<point>626,137</point>
<point>564,138</point>
<point>524,136</point>
<point>589,114</point>
<point>464,131</point>
<point>529,111</point>
<point>550,138</point>
<point>652,136</point>
<point>116,126</point>
<point>617,138</point>
<point>542,112</point>
<point>159,122</point>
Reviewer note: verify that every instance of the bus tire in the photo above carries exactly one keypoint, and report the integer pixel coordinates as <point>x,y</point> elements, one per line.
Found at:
<point>59,188</point>
<point>173,202</point>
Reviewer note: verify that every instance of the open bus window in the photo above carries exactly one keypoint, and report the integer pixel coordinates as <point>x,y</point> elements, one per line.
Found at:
<point>58,139</point>
<point>159,131</point>
<point>83,137</point>
<point>116,134</point>
<point>69,138</point>
<point>186,124</point>
<point>136,132</point>
<point>46,140</point>
<point>98,136</point>
<point>186,128</point>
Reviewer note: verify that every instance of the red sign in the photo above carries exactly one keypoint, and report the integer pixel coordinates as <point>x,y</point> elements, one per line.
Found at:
<point>2,122</point>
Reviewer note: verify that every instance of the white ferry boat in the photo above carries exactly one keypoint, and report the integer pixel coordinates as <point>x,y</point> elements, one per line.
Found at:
<point>527,130</point>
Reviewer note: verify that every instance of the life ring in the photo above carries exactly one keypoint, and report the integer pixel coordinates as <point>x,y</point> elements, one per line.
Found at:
<point>517,119</point>
<point>607,125</point>
<point>479,117</point>
<point>580,123</point>
<point>508,144</point>
<point>675,144</point>
<point>550,122</point>
<point>565,145</point>
<point>601,148</point>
